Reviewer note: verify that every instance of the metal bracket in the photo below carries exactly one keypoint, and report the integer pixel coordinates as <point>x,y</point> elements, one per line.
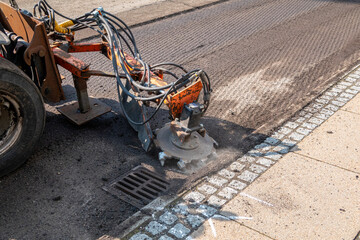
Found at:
<point>73,113</point>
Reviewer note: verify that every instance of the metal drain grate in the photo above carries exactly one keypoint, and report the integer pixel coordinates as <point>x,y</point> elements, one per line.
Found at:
<point>138,187</point>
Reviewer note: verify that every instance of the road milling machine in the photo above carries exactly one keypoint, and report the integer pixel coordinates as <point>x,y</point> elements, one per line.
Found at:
<point>33,45</point>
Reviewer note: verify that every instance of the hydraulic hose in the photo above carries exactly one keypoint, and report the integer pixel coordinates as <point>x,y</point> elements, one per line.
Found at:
<point>118,35</point>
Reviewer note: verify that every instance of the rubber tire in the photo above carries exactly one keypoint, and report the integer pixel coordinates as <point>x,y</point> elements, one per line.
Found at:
<point>20,87</point>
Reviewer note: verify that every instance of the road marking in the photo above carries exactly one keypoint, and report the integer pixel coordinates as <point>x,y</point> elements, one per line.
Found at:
<point>256,199</point>
<point>212,227</point>
<point>220,217</point>
<point>240,218</point>
<point>231,217</point>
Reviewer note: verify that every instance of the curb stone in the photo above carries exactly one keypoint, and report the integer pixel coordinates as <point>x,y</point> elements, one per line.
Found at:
<point>196,206</point>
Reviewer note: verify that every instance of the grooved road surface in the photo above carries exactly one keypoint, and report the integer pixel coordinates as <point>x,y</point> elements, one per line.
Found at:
<point>266,58</point>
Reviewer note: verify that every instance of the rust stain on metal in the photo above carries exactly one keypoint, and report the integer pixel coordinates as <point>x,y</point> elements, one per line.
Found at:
<point>186,96</point>
<point>69,62</point>
<point>87,47</point>
<point>132,65</point>
<point>71,111</point>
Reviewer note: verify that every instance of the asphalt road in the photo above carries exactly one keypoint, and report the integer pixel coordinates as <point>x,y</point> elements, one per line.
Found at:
<point>266,58</point>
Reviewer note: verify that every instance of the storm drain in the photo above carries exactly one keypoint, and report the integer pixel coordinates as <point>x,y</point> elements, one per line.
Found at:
<point>138,187</point>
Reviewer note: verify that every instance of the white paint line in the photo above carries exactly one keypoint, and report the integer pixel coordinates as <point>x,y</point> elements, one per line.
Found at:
<point>212,227</point>
<point>216,216</point>
<point>256,199</point>
<point>240,218</point>
<point>231,217</point>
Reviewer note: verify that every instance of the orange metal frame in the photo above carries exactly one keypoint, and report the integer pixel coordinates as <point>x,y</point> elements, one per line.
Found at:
<point>33,31</point>
<point>175,102</point>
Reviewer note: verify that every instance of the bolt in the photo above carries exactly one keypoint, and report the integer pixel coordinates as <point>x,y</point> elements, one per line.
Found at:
<point>162,158</point>
<point>41,53</point>
<point>162,162</point>
<point>181,164</point>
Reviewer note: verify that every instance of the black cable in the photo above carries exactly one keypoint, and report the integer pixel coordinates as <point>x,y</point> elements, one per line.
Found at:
<point>114,45</point>
<point>121,47</point>
<point>165,71</point>
<point>133,82</point>
<point>120,36</point>
<point>129,35</point>
<point>126,91</point>
<point>205,85</point>
<point>152,115</point>
<point>116,33</point>
<point>48,5</point>
<point>170,64</point>
<point>127,28</point>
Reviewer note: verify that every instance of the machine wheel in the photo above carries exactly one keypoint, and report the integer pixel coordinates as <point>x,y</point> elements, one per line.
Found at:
<point>22,117</point>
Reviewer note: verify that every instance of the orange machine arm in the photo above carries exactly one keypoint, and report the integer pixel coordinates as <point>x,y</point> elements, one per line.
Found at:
<point>174,101</point>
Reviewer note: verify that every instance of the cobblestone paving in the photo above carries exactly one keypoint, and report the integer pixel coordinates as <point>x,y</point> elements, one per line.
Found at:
<point>188,212</point>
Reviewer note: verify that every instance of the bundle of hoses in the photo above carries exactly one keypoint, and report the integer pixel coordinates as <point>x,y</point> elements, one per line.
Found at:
<point>118,35</point>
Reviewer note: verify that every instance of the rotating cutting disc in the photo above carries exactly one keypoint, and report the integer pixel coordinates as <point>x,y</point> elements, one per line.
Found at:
<point>196,147</point>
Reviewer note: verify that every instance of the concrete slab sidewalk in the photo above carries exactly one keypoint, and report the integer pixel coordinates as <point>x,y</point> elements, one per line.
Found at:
<point>307,199</point>
<point>303,182</point>
<point>312,193</point>
<point>353,106</point>
<point>336,141</point>
<point>225,229</point>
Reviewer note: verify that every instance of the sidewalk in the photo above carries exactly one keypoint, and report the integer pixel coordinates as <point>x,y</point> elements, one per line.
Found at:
<point>311,193</point>
<point>307,182</point>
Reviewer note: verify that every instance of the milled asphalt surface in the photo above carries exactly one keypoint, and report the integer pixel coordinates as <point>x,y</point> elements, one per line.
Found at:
<point>267,59</point>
